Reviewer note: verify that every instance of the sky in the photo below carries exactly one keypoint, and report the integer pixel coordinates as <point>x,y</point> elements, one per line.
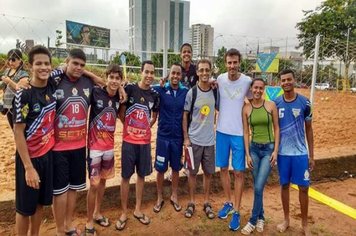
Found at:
<point>237,23</point>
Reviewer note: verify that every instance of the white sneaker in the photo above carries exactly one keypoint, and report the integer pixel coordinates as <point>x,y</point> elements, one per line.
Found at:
<point>248,229</point>
<point>260,225</point>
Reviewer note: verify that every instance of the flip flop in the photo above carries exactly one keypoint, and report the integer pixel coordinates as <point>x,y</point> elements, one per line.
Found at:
<point>122,224</point>
<point>73,232</point>
<point>103,221</point>
<point>143,219</point>
<point>157,208</point>
<point>176,206</point>
<point>91,231</point>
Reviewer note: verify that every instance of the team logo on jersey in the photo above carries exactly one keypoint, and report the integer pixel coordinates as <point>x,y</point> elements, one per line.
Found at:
<point>36,107</point>
<point>131,100</point>
<point>150,104</point>
<point>110,103</point>
<point>100,104</point>
<point>117,105</point>
<point>306,175</point>
<point>296,112</point>
<point>168,92</point>
<point>142,99</point>
<point>74,92</point>
<point>24,111</point>
<point>86,92</point>
<point>59,93</point>
<point>47,98</point>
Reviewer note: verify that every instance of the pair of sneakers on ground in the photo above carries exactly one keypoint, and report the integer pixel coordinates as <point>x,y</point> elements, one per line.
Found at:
<point>235,220</point>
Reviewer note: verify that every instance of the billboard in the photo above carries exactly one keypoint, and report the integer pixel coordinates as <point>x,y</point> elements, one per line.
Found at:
<point>267,62</point>
<point>82,34</point>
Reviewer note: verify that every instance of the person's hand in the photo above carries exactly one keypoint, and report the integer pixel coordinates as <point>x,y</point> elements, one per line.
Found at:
<point>311,164</point>
<point>273,159</point>
<point>162,81</point>
<point>123,96</point>
<point>213,83</point>
<point>63,67</point>
<point>23,84</point>
<point>32,178</point>
<point>249,162</point>
<point>187,143</point>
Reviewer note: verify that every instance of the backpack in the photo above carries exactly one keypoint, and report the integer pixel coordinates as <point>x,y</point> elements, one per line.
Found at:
<point>194,97</point>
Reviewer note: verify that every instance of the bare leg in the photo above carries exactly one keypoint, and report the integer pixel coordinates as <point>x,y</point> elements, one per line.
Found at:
<point>192,179</point>
<point>285,203</point>
<point>206,180</point>
<point>35,221</point>
<point>226,183</point>
<point>238,185</point>
<point>159,184</point>
<point>125,187</point>
<point>59,212</point>
<point>304,203</point>
<point>99,199</point>
<point>71,203</point>
<point>22,224</point>
<point>175,180</point>
<point>139,190</point>
<point>91,205</point>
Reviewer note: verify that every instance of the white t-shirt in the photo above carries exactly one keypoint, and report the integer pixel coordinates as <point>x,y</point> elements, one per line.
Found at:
<point>231,100</point>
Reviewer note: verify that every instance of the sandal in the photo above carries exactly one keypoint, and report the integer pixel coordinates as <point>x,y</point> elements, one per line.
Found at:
<point>73,232</point>
<point>157,208</point>
<point>248,229</point>
<point>120,224</point>
<point>90,232</point>
<point>260,225</point>
<point>176,206</point>
<point>209,211</point>
<point>190,210</point>
<point>143,219</point>
<point>103,221</point>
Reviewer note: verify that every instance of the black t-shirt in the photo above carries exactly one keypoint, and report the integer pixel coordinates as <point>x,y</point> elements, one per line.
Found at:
<point>73,100</point>
<point>189,77</point>
<point>102,121</point>
<point>36,108</point>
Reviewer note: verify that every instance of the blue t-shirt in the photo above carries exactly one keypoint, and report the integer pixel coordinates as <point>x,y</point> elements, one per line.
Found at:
<point>292,116</point>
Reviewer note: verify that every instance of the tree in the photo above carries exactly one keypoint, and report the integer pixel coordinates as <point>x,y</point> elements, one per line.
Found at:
<point>157,58</point>
<point>220,62</point>
<point>335,21</point>
<point>131,59</point>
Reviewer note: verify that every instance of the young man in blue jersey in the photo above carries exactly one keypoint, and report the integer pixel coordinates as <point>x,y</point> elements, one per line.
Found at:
<point>170,135</point>
<point>295,156</point>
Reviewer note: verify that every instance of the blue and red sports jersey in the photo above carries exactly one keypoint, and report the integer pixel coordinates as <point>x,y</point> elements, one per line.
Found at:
<point>73,100</point>
<point>36,107</point>
<point>139,105</point>
<point>292,118</point>
<point>102,121</point>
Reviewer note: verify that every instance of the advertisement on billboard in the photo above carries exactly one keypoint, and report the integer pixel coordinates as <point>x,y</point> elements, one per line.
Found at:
<point>83,34</point>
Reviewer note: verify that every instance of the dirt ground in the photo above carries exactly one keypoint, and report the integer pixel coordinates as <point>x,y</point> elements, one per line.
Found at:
<point>334,135</point>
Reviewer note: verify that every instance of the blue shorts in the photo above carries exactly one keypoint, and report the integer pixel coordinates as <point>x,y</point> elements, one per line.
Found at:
<point>294,169</point>
<point>225,143</point>
<point>168,151</point>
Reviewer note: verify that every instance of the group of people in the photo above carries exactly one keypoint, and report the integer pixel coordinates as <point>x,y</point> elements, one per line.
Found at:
<point>50,126</point>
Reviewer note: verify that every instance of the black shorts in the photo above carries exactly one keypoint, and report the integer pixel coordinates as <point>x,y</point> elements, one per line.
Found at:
<point>69,170</point>
<point>28,198</point>
<point>135,155</point>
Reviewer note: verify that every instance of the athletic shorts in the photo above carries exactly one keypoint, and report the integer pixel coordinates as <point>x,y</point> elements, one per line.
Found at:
<point>135,156</point>
<point>204,155</point>
<point>294,169</point>
<point>69,170</point>
<point>168,151</point>
<point>28,198</point>
<point>225,143</point>
<point>100,165</point>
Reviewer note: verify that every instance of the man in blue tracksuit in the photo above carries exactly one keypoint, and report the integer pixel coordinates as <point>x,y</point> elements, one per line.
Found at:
<point>169,143</point>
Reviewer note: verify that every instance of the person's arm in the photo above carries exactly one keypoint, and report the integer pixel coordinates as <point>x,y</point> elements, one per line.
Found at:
<point>273,159</point>
<point>15,86</point>
<point>96,79</point>
<point>122,111</point>
<point>31,175</point>
<point>123,94</point>
<point>153,118</point>
<point>246,131</point>
<point>310,141</point>
<point>185,129</point>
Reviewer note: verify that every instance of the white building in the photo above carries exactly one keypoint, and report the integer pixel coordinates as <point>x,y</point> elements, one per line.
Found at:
<point>202,38</point>
<point>146,25</point>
